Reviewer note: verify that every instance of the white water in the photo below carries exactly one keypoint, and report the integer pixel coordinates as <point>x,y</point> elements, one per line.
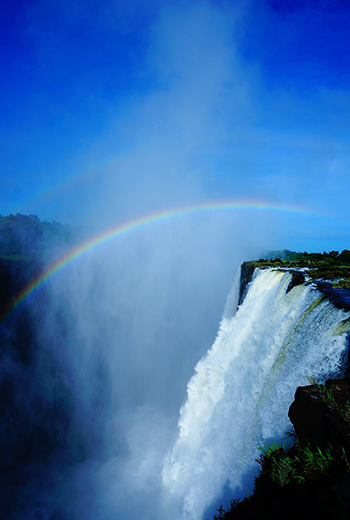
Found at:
<point>242,388</point>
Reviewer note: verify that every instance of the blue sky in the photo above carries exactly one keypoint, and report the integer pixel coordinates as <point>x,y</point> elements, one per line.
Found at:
<point>112,110</point>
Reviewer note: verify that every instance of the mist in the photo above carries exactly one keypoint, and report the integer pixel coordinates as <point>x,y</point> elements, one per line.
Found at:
<point>163,146</point>
<point>116,334</point>
<point>132,110</point>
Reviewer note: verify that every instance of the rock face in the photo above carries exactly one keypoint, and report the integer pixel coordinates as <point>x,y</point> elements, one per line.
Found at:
<point>247,270</point>
<point>319,413</point>
<point>339,297</point>
<point>14,276</point>
<point>298,278</point>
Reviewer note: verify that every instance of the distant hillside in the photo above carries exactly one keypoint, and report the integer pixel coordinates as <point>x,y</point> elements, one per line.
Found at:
<point>27,238</point>
<point>331,258</point>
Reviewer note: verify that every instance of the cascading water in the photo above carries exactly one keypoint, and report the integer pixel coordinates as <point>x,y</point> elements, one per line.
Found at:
<point>240,393</point>
<point>89,403</point>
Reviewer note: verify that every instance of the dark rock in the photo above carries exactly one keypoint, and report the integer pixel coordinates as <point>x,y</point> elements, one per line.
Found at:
<point>14,276</point>
<point>247,271</point>
<point>298,278</point>
<point>339,297</point>
<point>307,413</point>
<point>342,491</point>
<point>316,414</point>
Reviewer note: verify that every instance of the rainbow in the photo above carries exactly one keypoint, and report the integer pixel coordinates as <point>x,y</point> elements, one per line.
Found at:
<point>131,225</point>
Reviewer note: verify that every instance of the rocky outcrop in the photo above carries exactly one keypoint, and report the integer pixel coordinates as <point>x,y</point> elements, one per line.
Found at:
<point>247,270</point>
<point>321,414</point>
<point>298,278</point>
<point>311,480</point>
<point>338,296</point>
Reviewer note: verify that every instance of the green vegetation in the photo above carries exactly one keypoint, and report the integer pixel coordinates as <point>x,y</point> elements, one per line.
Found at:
<point>327,266</point>
<point>282,471</point>
<point>333,395</point>
<point>299,463</point>
<point>268,450</point>
<point>326,394</point>
<point>286,478</point>
<point>342,284</point>
<point>331,258</point>
<point>303,481</point>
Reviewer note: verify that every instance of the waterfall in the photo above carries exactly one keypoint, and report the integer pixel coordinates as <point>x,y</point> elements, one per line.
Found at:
<point>91,392</point>
<point>242,388</point>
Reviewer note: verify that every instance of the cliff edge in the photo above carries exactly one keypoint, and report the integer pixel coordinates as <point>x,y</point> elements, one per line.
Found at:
<point>311,479</point>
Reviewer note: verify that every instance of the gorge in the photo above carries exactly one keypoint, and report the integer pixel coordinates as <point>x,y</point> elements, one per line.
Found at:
<point>77,443</point>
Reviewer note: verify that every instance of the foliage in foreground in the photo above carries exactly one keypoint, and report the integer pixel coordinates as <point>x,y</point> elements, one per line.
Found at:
<point>293,483</point>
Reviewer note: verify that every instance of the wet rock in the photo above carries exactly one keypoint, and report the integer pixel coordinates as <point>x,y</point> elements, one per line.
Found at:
<point>247,270</point>
<point>298,278</point>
